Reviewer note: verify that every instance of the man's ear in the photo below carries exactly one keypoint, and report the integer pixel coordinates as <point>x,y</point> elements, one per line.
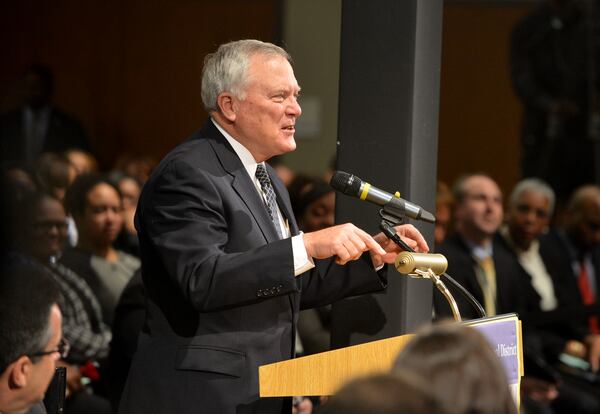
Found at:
<point>19,372</point>
<point>227,106</point>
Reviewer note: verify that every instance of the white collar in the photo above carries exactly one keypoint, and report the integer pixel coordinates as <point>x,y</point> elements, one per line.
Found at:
<point>242,152</point>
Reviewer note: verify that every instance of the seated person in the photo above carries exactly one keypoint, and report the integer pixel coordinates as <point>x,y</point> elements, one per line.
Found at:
<point>54,173</point>
<point>31,341</point>
<point>96,206</point>
<point>571,256</point>
<point>478,257</point>
<point>460,368</point>
<point>42,238</point>
<point>82,161</point>
<point>530,207</point>
<point>130,189</point>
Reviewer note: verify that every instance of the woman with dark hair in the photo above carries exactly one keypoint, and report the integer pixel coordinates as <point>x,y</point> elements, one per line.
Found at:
<point>461,369</point>
<point>96,206</point>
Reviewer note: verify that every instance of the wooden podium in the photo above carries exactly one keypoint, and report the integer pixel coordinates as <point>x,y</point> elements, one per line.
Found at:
<point>325,373</point>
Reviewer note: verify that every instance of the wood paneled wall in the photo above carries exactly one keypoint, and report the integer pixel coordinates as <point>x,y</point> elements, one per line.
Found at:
<point>130,70</point>
<point>479,112</point>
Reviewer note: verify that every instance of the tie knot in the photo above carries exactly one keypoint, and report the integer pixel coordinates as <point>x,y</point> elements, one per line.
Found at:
<point>261,175</point>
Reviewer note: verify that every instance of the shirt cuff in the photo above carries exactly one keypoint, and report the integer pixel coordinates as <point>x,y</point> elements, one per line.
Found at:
<point>302,262</point>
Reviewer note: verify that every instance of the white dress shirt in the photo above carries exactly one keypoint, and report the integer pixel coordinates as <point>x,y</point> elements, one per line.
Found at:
<point>302,262</point>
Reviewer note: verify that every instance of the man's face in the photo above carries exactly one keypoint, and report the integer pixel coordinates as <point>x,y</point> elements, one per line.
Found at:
<point>528,218</point>
<point>586,225</point>
<point>265,119</point>
<point>319,214</point>
<point>102,219</point>
<point>479,214</point>
<point>43,368</point>
<point>49,230</point>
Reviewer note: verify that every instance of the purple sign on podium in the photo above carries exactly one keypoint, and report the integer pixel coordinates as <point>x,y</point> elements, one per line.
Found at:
<point>503,337</point>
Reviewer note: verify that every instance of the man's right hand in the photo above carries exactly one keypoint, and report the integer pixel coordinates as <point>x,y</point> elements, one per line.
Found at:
<point>345,241</point>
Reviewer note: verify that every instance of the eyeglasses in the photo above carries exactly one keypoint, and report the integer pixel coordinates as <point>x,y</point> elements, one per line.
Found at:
<point>50,224</point>
<point>62,348</point>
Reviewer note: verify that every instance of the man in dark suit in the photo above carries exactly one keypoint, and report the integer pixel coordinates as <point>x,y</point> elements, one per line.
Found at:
<point>225,268</point>
<point>572,258</point>
<point>38,126</point>
<point>478,258</point>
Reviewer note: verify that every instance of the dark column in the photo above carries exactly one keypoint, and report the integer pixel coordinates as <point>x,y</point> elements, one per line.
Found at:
<point>388,119</point>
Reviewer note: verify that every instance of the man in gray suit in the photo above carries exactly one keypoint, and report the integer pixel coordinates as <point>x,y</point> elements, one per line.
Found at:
<point>225,267</point>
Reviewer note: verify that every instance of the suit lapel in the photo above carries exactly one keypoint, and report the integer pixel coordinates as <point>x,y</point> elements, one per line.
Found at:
<point>241,182</point>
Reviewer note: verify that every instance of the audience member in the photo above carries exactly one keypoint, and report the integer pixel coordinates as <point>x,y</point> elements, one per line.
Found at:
<point>554,69</point>
<point>529,210</point>
<point>31,340</point>
<point>572,258</point>
<point>528,217</point>
<point>478,258</point>
<point>83,161</point>
<point>137,166</point>
<point>96,206</point>
<point>460,369</point>
<point>130,189</point>
<point>15,184</point>
<point>43,236</point>
<point>38,126</point>
<point>54,174</point>
<point>19,178</point>
<point>400,393</point>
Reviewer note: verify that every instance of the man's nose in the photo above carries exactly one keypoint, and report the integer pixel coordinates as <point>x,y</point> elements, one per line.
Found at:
<point>294,108</point>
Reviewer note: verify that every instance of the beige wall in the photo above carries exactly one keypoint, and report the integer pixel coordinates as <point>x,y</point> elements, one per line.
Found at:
<point>312,36</point>
<point>479,112</point>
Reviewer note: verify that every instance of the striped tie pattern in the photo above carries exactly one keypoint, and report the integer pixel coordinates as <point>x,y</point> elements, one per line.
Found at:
<point>270,198</point>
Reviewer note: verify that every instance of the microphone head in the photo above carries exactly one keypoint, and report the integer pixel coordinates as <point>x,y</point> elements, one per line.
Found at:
<point>345,183</point>
<point>427,216</point>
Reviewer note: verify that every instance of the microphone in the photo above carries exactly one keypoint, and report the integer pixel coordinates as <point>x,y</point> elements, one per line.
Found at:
<point>353,186</point>
<point>408,262</point>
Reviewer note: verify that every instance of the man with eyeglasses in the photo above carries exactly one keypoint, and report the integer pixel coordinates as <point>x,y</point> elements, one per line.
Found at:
<point>31,340</point>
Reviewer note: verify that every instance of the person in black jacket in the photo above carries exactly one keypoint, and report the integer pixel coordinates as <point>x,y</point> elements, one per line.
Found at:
<point>478,258</point>
<point>38,126</point>
<point>554,69</point>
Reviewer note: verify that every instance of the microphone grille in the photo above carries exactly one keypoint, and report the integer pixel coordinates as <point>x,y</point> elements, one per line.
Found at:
<point>346,183</point>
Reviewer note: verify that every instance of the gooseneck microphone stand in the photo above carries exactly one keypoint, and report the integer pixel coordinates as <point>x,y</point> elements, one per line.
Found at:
<point>392,215</point>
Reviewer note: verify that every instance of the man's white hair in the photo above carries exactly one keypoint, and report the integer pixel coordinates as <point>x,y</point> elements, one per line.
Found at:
<point>225,69</point>
<point>536,186</point>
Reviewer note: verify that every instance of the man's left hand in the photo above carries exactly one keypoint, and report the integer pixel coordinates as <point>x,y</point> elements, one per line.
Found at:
<point>409,234</point>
